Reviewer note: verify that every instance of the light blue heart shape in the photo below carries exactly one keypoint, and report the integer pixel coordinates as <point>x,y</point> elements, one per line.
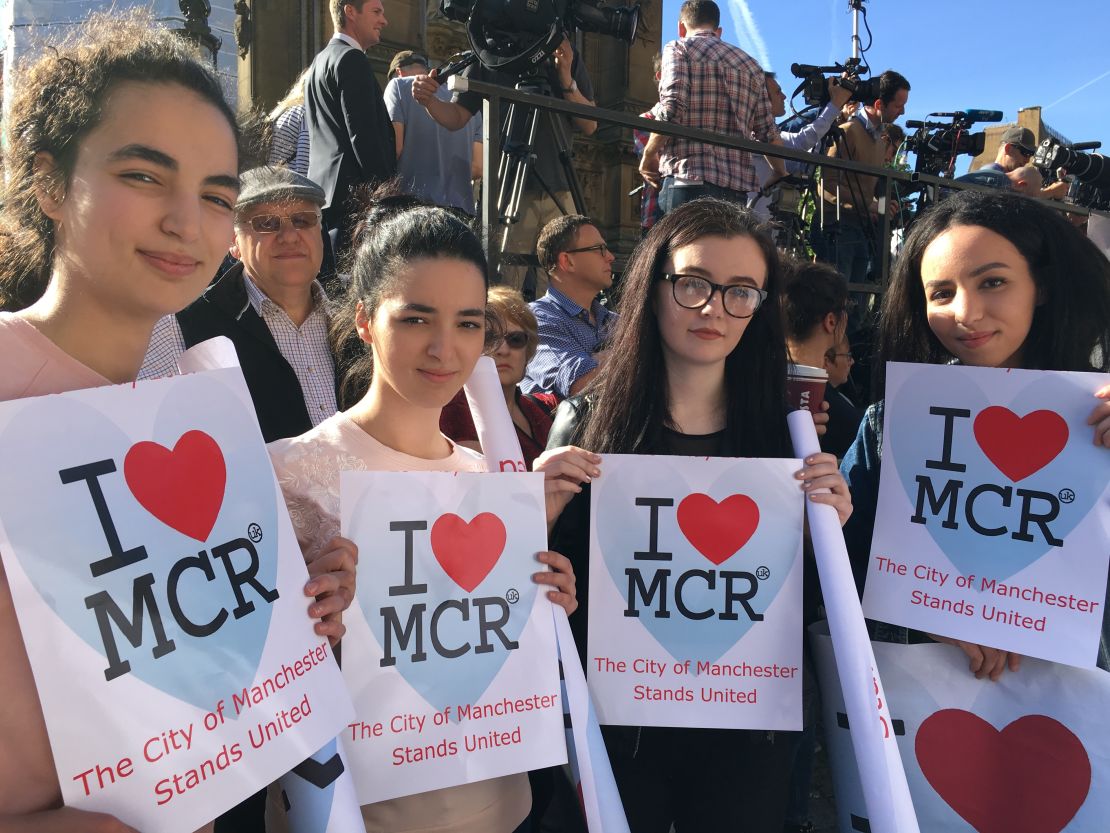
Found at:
<point>440,680</point>
<point>56,534</point>
<point>622,528</point>
<point>1080,468</point>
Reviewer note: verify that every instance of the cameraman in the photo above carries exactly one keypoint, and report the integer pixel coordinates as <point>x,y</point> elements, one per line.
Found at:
<point>546,193</point>
<point>847,242</point>
<point>808,138</point>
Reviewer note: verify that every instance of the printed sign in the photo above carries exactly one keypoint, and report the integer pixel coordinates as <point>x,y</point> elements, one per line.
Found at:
<point>1027,754</point>
<point>994,510</point>
<point>450,649</point>
<point>696,592</point>
<point>160,593</point>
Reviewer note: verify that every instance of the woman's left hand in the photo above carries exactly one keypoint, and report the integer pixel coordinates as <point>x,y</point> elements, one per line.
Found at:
<point>821,419</point>
<point>332,583</point>
<point>560,578</point>
<point>565,470</point>
<point>1100,418</point>
<point>821,472</point>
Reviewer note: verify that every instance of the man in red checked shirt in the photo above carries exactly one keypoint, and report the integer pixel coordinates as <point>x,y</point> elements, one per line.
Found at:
<point>711,85</point>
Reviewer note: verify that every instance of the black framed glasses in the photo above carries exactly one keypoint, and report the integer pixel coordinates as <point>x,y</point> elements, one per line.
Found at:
<point>694,292</point>
<point>600,248</point>
<point>832,356</point>
<point>272,223</point>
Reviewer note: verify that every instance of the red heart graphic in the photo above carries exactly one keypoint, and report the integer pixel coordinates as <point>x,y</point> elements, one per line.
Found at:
<point>1032,777</point>
<point>468,551</point>
<point>718,530</point>
<point>1020,446</point>
<point>183,488</point>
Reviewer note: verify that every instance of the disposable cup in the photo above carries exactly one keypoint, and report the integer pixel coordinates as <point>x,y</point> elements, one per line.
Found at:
<point>805,387</point>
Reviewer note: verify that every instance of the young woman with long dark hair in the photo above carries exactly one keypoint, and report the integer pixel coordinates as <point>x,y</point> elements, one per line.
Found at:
<point>986,280</point>
<point>697,368</point>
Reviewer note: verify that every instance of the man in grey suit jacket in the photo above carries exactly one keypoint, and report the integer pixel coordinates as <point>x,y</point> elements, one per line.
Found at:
<point>351,135</point>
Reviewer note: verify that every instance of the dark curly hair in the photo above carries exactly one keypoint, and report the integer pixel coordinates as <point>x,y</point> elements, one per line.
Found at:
<point>59,99</point>
<point>1070,329</point>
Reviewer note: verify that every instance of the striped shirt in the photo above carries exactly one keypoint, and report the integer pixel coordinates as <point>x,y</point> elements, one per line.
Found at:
<point>712,85</point>
<point>290,146</point>
<point>305,348</point>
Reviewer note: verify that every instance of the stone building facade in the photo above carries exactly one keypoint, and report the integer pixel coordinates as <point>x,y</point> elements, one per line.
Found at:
<point>277,39</point>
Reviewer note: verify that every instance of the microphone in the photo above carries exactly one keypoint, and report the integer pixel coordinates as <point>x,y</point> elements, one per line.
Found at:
<point>802,70</point>
<point>1085,145</point>
<point>971,115</point>
<point>981,115</point>
<point>913,125</point>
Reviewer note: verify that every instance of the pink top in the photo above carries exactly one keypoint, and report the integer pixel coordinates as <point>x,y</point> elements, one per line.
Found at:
<point>308,470</point>
<point>33,365</point>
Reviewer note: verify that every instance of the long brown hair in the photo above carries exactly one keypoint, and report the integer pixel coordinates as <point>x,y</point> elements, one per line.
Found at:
<point>630,399</point>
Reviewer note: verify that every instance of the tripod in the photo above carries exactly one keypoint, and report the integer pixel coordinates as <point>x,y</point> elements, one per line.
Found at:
<point>518,156</point>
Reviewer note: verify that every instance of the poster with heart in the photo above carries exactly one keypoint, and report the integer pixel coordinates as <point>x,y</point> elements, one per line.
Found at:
<point>159,590</point>
<point>1027,754</point>
<point>450,651</point>
<point>695,608</point>
<point>993,520</point>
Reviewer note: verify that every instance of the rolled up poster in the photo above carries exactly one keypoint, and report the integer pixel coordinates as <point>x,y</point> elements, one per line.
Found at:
<point>596,786</point>
<point>885,790</point>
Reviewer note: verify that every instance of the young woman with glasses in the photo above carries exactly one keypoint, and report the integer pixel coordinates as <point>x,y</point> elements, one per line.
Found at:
<point>697,368</point>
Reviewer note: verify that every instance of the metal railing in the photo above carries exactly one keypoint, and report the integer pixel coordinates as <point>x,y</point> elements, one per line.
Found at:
<point>495,97</point>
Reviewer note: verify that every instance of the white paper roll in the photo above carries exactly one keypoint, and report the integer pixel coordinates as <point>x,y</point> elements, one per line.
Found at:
<point>885,791</point>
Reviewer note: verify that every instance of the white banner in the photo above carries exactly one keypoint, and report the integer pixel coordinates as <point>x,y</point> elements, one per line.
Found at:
<point>993,522</point>
<point>160,593</point>
<point>696,593</point>
<point>450,648</point>
<point>1028,754</point>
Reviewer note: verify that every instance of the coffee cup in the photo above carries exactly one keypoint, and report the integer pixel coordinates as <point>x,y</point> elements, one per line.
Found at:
<point>805,387</point>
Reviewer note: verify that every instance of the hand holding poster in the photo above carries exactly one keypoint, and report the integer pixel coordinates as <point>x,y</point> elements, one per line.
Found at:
<point>450,646</point>
<point>994,510</point>
<point>696,593</point>
<point>160,593</point>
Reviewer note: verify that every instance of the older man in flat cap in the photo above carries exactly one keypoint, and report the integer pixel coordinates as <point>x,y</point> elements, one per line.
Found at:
<point>270,304</point>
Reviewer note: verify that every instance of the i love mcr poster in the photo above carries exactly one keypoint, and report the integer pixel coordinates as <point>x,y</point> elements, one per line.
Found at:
<point>993,521</point>
<point>159,590</point>
<point>450,651</point>
<point>695,608</point>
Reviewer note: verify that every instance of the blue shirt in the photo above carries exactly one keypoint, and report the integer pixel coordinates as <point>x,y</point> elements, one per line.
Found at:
<point>567,342</point>
<point>434,162</point>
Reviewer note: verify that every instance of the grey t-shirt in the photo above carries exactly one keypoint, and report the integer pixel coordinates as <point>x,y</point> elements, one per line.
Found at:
<point>435,161</point>
<point>547,165</point>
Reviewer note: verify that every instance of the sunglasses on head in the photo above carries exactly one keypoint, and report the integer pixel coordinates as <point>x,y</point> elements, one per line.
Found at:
<point>272,223</point>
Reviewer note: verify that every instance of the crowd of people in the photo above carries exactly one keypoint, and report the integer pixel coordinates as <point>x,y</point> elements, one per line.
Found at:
<point>128,178</point>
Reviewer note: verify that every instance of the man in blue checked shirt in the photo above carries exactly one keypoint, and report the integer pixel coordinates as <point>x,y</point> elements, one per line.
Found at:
<point>573,324</point>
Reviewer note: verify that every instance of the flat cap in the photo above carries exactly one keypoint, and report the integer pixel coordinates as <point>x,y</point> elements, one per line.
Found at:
<point>273,183</point>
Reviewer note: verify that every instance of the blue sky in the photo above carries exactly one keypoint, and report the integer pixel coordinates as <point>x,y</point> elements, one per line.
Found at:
<point>986,54</point>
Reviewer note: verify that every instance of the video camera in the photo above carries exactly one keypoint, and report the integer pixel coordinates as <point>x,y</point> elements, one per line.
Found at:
<point>1091,187</point>
<point>937,143</point>
<point>814,88</point>
<point>517,36</point>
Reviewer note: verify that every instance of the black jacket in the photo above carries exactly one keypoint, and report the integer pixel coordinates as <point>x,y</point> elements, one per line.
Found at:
<point>224,310</point>
<point>351,138</point>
